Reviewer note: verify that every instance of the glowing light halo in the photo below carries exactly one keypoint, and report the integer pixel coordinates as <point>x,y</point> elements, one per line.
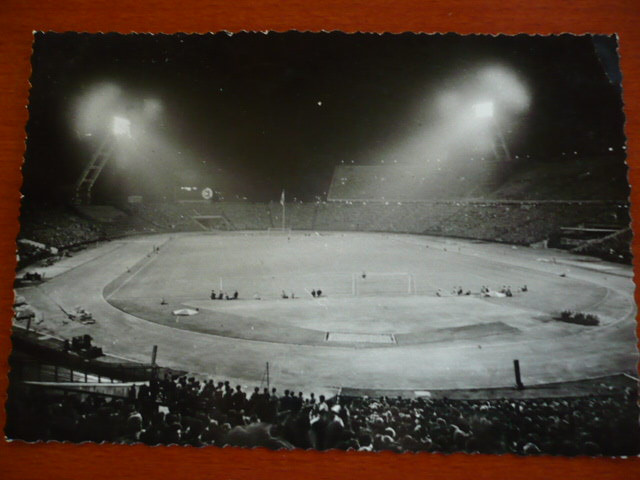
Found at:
<point>93,110</point>
<point>121,126</point>
<point>467,113</point>
<point>506,86</point>
<point>483,109</point>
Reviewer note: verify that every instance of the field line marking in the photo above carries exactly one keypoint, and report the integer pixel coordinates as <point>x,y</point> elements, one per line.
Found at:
<point>154,256</point>
<point>115,247</point>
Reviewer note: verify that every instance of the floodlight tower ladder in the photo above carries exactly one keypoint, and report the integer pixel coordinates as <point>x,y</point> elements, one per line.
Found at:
<point>91,172</point>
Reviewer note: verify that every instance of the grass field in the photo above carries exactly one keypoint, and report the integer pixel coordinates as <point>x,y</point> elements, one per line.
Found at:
<point>371,284</point>
<point>388,330</point>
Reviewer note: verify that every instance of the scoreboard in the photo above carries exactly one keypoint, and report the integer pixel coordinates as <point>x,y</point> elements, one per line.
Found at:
<point>195,194</point>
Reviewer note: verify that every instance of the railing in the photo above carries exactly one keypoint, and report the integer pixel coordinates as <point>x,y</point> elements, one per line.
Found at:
<point>28,370</point>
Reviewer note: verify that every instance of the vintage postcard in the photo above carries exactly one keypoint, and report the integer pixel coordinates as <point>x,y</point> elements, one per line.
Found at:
<point>413,243</point>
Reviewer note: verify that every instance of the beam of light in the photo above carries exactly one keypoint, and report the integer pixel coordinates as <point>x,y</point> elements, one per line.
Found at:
<point>463,118</point>
<point>147,147</point>
<point>151,109</point>
<point>133,126</point>
<point>459,135</point>
<point>130,124</point>
<point>504,85</point>
<point>93,111</point>
<point>447,102</point>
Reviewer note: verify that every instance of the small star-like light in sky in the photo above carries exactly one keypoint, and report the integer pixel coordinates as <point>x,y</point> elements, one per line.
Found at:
<point>319,103</point>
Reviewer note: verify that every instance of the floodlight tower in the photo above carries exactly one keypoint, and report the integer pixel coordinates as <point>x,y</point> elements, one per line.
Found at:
<point>121,127</point>
<point>486,109</point>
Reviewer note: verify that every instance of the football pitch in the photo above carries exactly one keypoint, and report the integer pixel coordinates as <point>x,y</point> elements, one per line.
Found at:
<point>390,315</point>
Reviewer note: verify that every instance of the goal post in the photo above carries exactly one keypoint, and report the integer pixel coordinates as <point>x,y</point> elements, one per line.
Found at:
<point>382,283</point>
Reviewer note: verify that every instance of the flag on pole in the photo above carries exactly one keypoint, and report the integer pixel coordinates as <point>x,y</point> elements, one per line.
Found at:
<point>282,198</point>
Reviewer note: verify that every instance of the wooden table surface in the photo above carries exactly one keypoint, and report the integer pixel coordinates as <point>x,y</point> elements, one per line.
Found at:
<point>19,18</point>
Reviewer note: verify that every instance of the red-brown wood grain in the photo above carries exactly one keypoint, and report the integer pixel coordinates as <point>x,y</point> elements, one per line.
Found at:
<point>17,21</point>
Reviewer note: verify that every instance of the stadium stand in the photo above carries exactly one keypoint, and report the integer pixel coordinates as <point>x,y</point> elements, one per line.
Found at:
<point>519,202</point>
<point>412,183</point>
<point>49,229</point>
<point>601,178</point>
<point>165,216</point>
<point>592,178</point>
<point>382,216</point>
<point>299,216</point>
<point>242,215</point>
<point>100,213</point>
<point>521,222</point>
<point>187,411</point>
<point>57,227</point>
<point>63,398</point>
<point>614,247</point>
<point>517,222</point>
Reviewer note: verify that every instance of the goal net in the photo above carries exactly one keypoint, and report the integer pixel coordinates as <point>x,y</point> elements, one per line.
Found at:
<point>376,283</point>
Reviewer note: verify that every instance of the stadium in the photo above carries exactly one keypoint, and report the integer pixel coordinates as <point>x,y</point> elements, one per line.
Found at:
<point>476,300</point>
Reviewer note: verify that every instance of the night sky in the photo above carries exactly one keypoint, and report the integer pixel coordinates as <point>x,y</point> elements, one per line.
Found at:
<point>252,114</point>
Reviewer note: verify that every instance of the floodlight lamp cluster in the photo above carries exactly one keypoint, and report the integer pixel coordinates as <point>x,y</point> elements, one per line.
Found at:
<point>121,127</point>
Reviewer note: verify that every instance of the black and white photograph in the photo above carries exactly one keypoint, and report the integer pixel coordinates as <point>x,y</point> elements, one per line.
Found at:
<point>369,242</point>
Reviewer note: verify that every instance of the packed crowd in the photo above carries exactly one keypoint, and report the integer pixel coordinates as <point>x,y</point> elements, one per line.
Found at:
<point>29,253</point>
<point>614,248</point>
<point>186,411</point>
<point>57,227</point>
<point>163,217</point>
<point>429,180</point>
<point>516,223</point>
<point>596,176</point>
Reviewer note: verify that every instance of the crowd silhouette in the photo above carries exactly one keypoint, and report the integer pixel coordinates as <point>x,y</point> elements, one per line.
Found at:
<point>186,411</point>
